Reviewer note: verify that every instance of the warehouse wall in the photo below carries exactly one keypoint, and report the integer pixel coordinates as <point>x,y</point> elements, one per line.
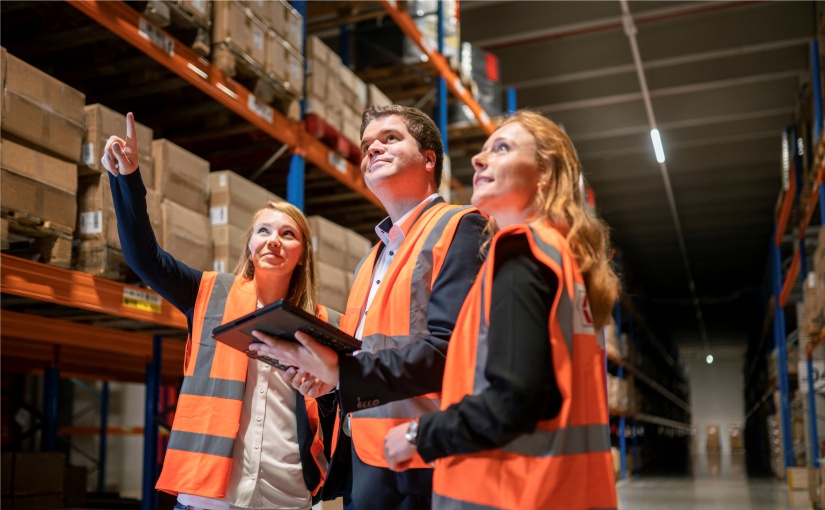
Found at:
<point>716,390</point>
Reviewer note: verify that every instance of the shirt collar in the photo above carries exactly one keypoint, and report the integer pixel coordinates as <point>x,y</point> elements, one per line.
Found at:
<point>404,223</point>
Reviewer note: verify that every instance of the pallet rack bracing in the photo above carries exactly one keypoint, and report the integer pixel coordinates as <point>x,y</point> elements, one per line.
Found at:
<point>782,284</point>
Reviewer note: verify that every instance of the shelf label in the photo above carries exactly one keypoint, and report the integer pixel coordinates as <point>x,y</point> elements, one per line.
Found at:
<point>87,153</point>
<point>260,109</point>
<point>141,300</point>
<point>156,37</point>
<point>338,162</point>
<point>218,215</point>
<point>818,370</point>
<point>91,222</point>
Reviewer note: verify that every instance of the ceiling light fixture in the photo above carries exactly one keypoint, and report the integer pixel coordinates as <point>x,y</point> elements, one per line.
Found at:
<point>657,145</point>
<point>709,359</point>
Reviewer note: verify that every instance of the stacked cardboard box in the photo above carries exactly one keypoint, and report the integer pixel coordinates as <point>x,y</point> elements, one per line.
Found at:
<point>42,130</point>
<point>736,436</point>
<point>425,15</point>
<point>182,180</point>
<point>233,201</point>
<point>200,9</point>
<point>33,480</point>
<point>713,443</point>
<point>335,93</point>
<point>236,27</point>
<point>337,253</point>
<point>101,124</point>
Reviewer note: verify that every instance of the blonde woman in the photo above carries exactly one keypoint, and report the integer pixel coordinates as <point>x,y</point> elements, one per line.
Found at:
<point>242,437</point>
<point>524,422</point>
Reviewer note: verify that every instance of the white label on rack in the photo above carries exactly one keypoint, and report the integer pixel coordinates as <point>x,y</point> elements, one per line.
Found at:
<point>338,162</point>
<point>87,154</point>
<point>459,87</point>
<point>484,117</point>
<point>258,38</point>
<point>818,369</point>
<point>392,3</point>
<point>91,222</point>
<point>218,265</point>
<point>260,109</point>
<point>156,36</point>
<point>218,215</point>
<point>141,300</point>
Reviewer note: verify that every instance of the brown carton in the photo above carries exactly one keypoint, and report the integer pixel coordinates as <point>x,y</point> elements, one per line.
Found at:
<point>357,247</point>
<point>40,109</point>
<point>187,235</point>
<point>332,286</point>
<point>181,176</point>
<point>201,9</point>
<point>37,473</point>
<point>31,197</point>
<point>228,245</point>
<point>233,200</point>
<point>246,34</point>
<point>101,123</point>
<point>294,28</point>
<point>713,437</point>
<point>737,438</point>
<point>96,211</point>
<point>39,167</point>
<point>260,8</point>
<point>376,97</point>
<point>329,240</point>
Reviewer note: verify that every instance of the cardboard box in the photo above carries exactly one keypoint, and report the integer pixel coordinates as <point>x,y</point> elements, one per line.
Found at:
<point>357,247</point>
<point>96,218</point>
<point>234,200</point>
<point>797,478</point>
<point>181,176</point>
<point>713,436</point>
<point>294,35</point>
<point>201,9</point>
<point>187,235</point>
<point>317,80</point>
<point>736,436</point>
<point>38,473</point>
<point>332,286</point>
<point>234,27</point>
<point>40,109</point>
<point>101,123</point>
<point>38,166</point>
<point>228,246</point>
<point>376,97</point>
<point>277,19</point>
<point>317,51</point>
<point>295,70</point>
<point>277,63</point>
<point>31,197</point>
<point>260,8</point>
<point>329,240</point>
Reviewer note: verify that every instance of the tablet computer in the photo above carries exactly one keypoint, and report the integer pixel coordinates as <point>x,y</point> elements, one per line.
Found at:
<point>281,320</point>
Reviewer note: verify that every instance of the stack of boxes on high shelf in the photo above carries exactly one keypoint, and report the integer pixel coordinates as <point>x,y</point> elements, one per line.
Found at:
<point>197,216</point>
<point>621,392</point>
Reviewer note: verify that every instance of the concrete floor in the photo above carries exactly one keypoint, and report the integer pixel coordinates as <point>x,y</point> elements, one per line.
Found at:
<point>719,483</point>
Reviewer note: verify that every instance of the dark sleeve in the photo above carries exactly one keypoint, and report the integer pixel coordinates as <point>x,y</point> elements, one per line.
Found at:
<point>416,369</point>
<point>173,280</point>
<point>519,365</point>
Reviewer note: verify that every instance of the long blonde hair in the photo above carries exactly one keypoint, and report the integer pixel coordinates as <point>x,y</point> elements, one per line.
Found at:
<point>559,200</point>
<point>303,285</point>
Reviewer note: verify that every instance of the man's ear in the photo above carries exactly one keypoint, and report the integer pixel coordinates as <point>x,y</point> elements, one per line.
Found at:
<point>430,160</point>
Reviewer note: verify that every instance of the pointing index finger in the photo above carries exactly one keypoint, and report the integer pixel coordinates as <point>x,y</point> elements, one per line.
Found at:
<point>131,138</point>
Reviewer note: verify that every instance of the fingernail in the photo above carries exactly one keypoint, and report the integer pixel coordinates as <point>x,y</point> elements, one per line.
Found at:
<point>116,147</point>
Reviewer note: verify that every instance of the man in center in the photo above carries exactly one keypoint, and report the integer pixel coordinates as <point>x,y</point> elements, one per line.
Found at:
<point>403,305</point>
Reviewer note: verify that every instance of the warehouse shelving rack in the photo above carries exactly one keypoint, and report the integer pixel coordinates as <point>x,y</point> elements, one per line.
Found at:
<point>102,334</point>
<point>781,286</point>
<point>672,418</point>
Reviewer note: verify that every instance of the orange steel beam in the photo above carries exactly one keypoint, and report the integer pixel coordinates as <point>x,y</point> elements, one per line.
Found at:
<point>790,280</point>
<point>75,334</point>
<point>43,282</point>
<point>785,209</point>
<point>439,63</point>
<point>124,22</point>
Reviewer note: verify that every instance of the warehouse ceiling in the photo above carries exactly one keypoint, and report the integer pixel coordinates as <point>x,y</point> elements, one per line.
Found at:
<point>724,79</point>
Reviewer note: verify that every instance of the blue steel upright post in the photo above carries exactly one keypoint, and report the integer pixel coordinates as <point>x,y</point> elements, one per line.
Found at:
<point>297,164</point>
<point>511,100</point>
<point>441,106</point>
<point>149,499</point>
<point>622,420</point>
<point>51,392</point>
<point>782,353</point>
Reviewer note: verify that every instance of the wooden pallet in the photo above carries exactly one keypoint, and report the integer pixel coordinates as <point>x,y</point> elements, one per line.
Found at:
<point>240,67</point>
<point>29,236</point>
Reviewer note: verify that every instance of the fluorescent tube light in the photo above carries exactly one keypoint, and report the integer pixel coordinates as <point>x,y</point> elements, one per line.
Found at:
<point>657,145</point>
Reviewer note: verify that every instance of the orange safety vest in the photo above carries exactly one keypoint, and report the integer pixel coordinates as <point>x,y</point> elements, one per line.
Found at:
<point>198,458</point>
<point>398,317</point>
<point>565,463</point>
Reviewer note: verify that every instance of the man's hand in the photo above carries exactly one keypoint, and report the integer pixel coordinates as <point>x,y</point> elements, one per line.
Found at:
<point>307,384</point>
<point>307,355</point>
<point>397,450</point>
<point>120,157</point>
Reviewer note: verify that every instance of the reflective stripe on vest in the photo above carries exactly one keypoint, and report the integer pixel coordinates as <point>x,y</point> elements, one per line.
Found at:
<point>565,462</point>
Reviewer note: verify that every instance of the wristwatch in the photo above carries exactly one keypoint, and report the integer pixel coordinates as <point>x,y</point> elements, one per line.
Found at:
<point>412,432</point>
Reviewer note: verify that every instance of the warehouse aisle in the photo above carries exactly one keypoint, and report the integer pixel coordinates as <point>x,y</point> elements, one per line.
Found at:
<point>720,483</point>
